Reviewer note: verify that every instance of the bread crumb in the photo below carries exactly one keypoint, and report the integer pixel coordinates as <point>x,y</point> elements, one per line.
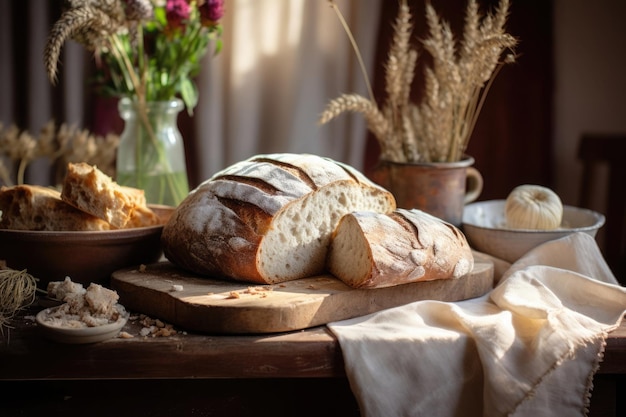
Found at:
<point>125,335</point>
<point>154,327</point>
<point>91,307</point>
<point>59,289</point>
<point>142,268</point>
<point>164,332</point>
<point>233,295</point>
<point>258,290</point>
<point>177,288</point>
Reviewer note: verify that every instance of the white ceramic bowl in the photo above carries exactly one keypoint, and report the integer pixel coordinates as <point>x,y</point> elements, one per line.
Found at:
<point>484,225</point>
<point>80,335</point>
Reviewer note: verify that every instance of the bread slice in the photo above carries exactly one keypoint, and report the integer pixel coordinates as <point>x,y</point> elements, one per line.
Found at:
<point>92,191</point>
<point>373,250</point>
<point>268,219</point>
<point>32,207</point>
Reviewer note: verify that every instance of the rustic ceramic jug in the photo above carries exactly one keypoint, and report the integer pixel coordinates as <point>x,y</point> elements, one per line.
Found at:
<point>439,188</point>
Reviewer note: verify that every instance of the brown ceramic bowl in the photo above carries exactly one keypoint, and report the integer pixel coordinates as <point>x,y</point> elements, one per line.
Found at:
<point>85,257</point>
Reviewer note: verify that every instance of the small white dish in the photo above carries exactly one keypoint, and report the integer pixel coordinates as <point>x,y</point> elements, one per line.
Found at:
<point>484,225</point>
<point>79,335</point>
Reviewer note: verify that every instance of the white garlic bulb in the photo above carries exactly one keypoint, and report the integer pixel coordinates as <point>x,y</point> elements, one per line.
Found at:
<point>533,207</point>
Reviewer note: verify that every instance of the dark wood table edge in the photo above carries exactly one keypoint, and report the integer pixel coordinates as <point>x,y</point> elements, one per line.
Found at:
<point>312,353</point>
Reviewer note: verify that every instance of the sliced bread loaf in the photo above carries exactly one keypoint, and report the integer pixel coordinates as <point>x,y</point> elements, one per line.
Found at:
<point>374,250</point>
<point>268,219</point>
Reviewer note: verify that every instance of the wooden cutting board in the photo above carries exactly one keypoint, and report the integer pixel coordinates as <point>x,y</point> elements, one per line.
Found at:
<point>203,304</point>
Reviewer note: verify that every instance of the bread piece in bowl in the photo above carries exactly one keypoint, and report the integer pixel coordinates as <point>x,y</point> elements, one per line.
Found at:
<point>92,191</point>
<point>33,207</point>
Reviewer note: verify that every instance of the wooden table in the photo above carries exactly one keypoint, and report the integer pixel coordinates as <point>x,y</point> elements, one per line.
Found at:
<point>297,373</point>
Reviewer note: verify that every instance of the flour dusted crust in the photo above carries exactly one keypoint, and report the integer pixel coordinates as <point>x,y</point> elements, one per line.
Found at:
<point>373,250</point>
<point>32,207</point>
<point>92,191</point>
<point>268,219</point>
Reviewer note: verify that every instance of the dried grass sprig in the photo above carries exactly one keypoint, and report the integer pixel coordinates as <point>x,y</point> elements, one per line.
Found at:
<point>355,46</point>
<point>402,59</point>
<point>67,144</point>
<point>438,128</point>
<point>90,23</point>
<point>464,77</point>
<point>18,290</point>
<point>375,120</point>
<point>383,122</point>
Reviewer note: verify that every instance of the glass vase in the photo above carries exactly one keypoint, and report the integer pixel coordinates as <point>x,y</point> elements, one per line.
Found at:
<point>151,153</point>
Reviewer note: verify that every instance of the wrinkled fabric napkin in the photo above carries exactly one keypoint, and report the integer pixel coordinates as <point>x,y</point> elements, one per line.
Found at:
<point>530,347</point>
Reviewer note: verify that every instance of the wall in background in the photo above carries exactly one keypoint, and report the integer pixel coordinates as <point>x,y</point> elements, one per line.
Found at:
<point>589,84</point>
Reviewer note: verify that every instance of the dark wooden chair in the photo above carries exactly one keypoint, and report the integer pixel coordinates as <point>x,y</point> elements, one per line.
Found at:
<point>594,150</point>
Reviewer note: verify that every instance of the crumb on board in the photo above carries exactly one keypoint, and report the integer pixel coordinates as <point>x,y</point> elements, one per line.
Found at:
<point>176,288</point>
<point>258,290</point>
<point>233,295</point>
<point>142,268</point>
<point>261,291</point>
<point>151,327</point>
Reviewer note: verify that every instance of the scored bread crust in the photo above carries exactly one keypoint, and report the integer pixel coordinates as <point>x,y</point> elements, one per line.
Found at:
<point>373,250</point>
<point>33,207</point>
<point>268,219</point>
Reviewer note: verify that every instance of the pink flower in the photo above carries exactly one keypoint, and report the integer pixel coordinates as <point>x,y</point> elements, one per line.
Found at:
<point>177,11</point>
<point>211,11</point>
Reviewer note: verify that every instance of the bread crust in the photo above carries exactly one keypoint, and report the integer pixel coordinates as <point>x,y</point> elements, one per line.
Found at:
<point>398,248</point>
<point>33,207</point>
<point>221,227</point>
<point>89,201</point>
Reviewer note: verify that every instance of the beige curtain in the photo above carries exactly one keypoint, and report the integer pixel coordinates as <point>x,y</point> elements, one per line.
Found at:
<point>283,60</point>
<point>281,63</point>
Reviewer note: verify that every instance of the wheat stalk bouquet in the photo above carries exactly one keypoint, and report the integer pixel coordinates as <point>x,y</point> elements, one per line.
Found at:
<point>439,127</point>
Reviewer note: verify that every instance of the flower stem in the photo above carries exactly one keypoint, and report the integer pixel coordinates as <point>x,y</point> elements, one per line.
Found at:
<point>346,28</point>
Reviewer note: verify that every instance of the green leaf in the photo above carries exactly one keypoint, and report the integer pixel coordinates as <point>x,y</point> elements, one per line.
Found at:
<point>189,94</point>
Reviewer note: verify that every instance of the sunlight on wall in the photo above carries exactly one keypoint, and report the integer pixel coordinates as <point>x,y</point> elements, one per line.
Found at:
<point>281,28</point>
<point>282,61</point>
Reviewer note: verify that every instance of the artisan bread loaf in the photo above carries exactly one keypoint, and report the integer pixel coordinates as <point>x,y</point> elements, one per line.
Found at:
<point>268,219</point>
<point>374,250</point>
<point>92,191</point>
<point>32,207</point>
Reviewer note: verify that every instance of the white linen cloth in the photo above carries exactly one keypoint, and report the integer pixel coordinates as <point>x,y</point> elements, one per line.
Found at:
<point>530,347</point>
